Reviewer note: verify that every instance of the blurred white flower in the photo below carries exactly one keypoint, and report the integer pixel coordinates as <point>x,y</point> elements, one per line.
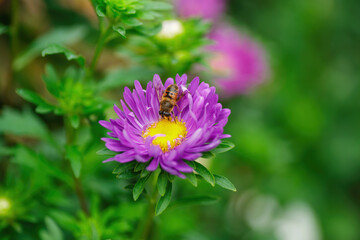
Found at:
<point>170,29</point>
<point>297,222</point>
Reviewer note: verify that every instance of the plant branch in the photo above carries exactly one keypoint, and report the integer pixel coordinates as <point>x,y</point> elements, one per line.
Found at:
<point>99,46</point>
<point>70,137</point>
<point>144,228</point>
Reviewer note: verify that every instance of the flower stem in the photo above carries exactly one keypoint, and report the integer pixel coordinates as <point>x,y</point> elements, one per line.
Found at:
<point>144,229</point>
<point>100,44</point>
<point>70,137</point>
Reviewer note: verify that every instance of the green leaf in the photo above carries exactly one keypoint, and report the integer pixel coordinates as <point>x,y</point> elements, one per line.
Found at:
<point>74,121</point>
<point>53,232</point>
<point>140,167</point>
<point>60,35</point>
<point>139,186</point>
<point>191,178</point>
<point>164,201</point>
<point>224,146</point>
<point>70,55</point>
<point>197,200</point>
<point>123,167</point>
<point>131,21</point>
<point>171,177</point>
<point>208,155</point>
<point>33,97</point>
<point>205,173</point>
<point>154,5</point>
<point>224,182</point>
<point>127,174</point>
<point>24,123</point>
<point>51,80</point>
<point>74,156</point>
<point>3,29</point>
<point>162,183</point>
<point>100,11</point>
<point>105,151</point>
<point>120,30</point>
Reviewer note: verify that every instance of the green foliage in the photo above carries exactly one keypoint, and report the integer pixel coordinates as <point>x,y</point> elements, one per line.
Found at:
<point>131,14</point>
<point>23,123</point>
<point>52,232</point>
<point>164,201</point>
<point>75,157</point>
<point>61,35</point>
<point>139,186</point>
<point>172,54</point>
<point>70,55</point>
<point>205,173</point>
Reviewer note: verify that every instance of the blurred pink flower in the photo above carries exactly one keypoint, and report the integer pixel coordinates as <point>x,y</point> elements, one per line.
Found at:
<point>238,62</point>
<point>207,9</point>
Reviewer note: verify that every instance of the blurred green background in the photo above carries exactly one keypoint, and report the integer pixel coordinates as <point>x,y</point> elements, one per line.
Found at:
<point>296,161</point>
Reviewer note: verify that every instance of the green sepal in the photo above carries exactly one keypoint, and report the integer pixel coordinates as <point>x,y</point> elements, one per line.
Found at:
<point>191,178</point>
<point>123,167</point>
<point>205,173</point>
<point>224,146</point>
<point>224,182</point>
<point>162,183</point>
<point>139,186</point>
<point>164,201</point>
<point>105,151</point>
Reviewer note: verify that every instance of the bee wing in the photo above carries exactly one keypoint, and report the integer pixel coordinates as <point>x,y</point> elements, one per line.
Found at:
<point>159,91</point>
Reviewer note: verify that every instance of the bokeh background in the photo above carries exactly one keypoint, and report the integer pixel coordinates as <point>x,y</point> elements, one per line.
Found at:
<point>296,161</point>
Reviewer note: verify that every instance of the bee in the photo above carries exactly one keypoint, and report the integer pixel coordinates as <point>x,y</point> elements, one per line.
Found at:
<point>169,101</point>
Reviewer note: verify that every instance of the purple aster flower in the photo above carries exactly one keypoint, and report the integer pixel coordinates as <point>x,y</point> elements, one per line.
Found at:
<point>238,62</point>
<point>207,9</point>
<point>140,134</point>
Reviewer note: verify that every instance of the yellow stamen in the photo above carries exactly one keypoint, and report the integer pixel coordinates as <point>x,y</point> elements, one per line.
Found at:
<point>174,131</point>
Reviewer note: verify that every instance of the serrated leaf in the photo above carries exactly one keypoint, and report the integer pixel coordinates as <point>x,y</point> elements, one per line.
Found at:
<point>74,121</point>
<point>224,146</point>
<point>51,80</point>
<point>164,201</point>
<point>191,178</point>
<point>70,55</point>
<point>198,200</point>
<point>139,186</point>
<point>105,151</point>
<point>162,183</point>
<point>205,173</point>
<point>120,30</point>
<point>224,182</point>
<point>74,156</point>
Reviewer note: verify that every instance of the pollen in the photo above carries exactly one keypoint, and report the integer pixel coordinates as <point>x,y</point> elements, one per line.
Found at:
<point>173,132</point>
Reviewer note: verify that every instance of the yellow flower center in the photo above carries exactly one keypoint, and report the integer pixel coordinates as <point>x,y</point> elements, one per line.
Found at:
<point>173,133</point>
